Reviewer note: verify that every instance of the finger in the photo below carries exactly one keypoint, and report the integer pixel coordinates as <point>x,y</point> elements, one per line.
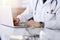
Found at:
<point>16,21</point>
<point>27,25</point>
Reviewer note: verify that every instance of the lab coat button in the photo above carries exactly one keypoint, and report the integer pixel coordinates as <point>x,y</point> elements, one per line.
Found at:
<point>54,13</point>
<point>47,12</point>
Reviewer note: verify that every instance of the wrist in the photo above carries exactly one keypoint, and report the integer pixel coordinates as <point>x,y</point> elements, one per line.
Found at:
<point>42,24</point>
<point>39,25</point>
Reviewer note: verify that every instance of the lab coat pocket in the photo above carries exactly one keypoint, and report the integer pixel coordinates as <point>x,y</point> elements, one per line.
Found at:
<point>49,17</point>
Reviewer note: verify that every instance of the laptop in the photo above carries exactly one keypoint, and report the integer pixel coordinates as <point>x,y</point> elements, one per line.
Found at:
<point>6,18</point>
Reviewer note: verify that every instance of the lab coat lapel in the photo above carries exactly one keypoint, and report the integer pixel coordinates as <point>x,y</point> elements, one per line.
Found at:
<point>47,2</point>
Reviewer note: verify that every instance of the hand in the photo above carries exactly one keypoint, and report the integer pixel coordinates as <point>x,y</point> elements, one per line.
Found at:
<point>32,23</point>
<point>16,21</point>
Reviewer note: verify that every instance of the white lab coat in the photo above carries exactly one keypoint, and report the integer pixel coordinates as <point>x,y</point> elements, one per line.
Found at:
<point>43,14</point>
<point>52,23</point>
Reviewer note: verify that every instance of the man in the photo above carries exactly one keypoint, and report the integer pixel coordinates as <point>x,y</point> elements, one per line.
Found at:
<point>47,13</point>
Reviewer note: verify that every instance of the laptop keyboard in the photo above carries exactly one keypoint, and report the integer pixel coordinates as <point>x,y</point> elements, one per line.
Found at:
<point>18,26</point>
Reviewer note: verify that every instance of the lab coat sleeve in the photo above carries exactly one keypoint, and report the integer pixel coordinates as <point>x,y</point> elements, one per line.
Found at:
<point>27,14</point>
<point>54,24</point>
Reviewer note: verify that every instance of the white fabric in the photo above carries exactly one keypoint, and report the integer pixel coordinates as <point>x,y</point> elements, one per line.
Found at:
<point>43,13</point>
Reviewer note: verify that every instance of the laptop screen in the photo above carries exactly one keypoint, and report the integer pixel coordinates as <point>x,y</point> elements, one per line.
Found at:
<point>6,15</point>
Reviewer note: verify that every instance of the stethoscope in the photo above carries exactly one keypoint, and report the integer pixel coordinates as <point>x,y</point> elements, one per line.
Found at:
<point>51,10</point>
<point>35,7</point>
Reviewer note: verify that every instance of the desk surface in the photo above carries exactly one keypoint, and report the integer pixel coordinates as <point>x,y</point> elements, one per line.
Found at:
<point>7,31</point>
